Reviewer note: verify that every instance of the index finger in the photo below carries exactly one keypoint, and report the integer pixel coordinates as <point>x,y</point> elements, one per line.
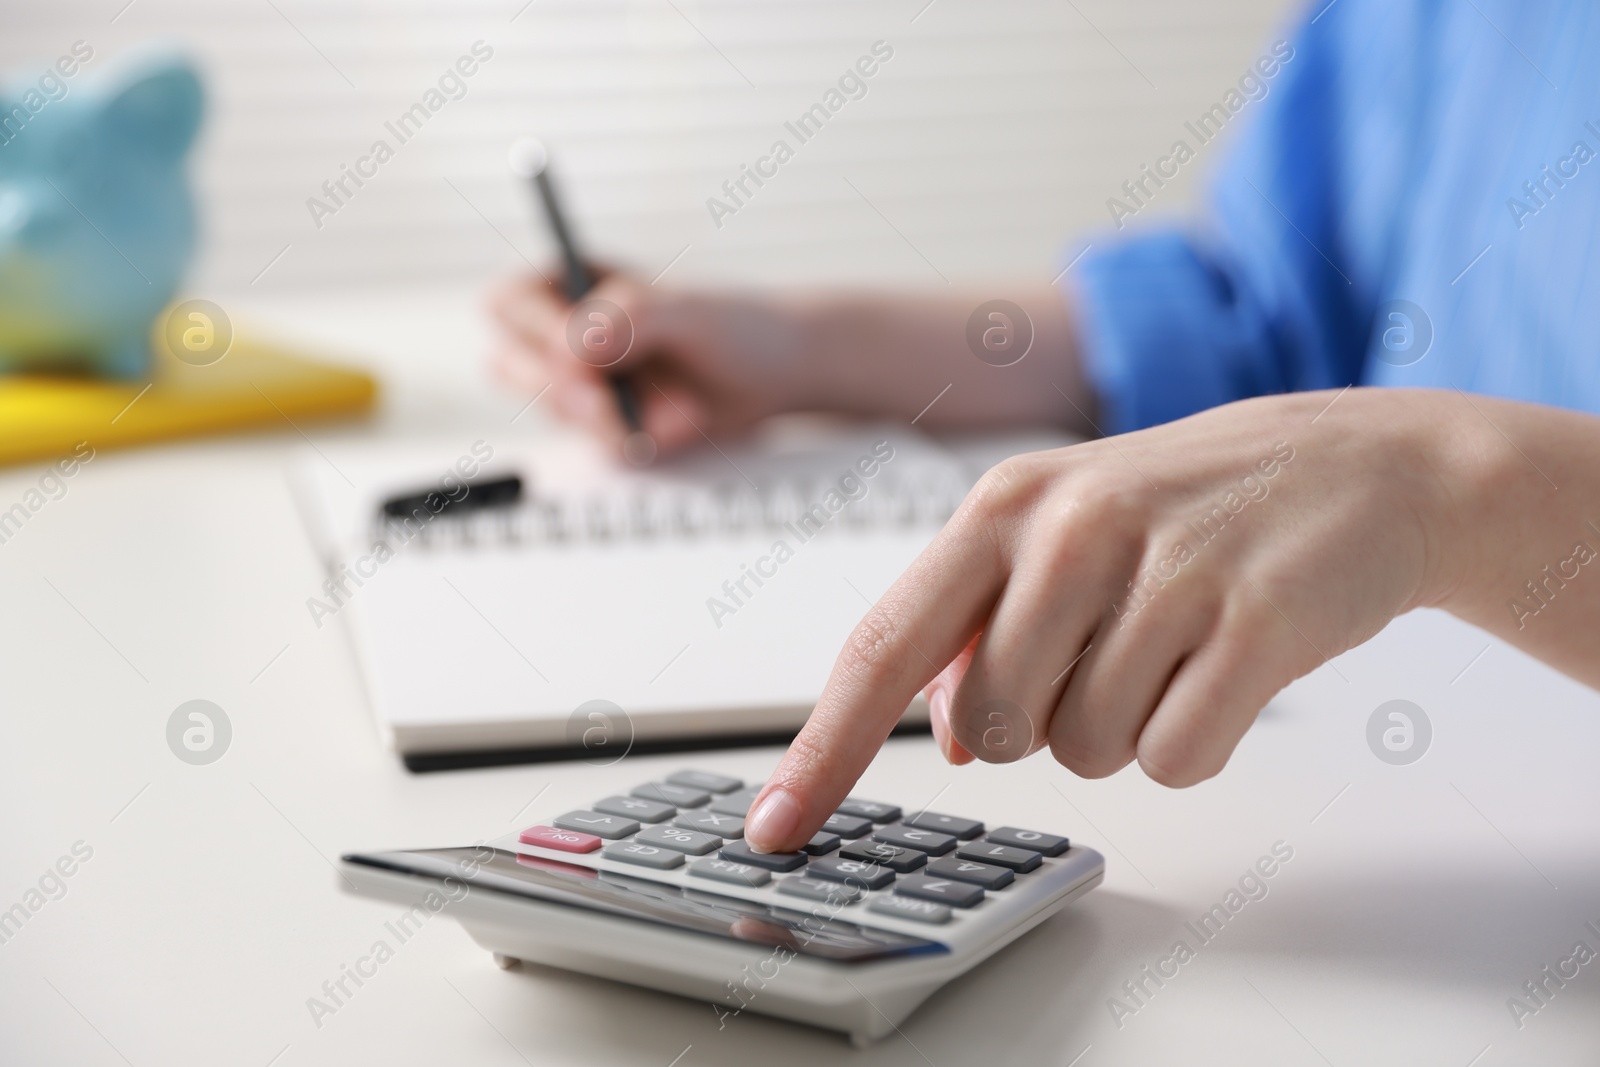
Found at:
<point>921,624</point>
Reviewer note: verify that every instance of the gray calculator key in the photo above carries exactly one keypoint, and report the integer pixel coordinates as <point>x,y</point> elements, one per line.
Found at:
<point>944,890</point>
<point>735,803</point>
<point>739,852</point>
<point>1033,840</point>
<point>662,859</point>
<point>869,809</point>
<point>711,822</point>
<point>728,871</point>
<point>1020,860</point>
<point>891,856</point>
<point>922,911</point>
<point>930,841</point>
<point>985,874</point>
<point>714,783</point>
<point>636,808</point>
<point>966,829</point>
<point>679,796</point>
<point>678,839</point>
<point>609,827</point>
<point>847,825</point>
<point>819,889</point>
<point>851,872</point>
<point>821,844</point>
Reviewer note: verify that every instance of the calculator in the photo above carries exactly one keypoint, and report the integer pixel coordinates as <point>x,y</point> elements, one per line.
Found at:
<point>657,888</point>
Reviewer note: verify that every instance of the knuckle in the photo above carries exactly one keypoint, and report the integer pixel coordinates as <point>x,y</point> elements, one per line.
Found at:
<point>1086,760</point>
<point>1007,485</point>
<point>873,649</point>
<point>1060,546</point>
<point>1165,764</point>
<point>1103,494</point>
<point>1250,613</point>
<point>804,761</point>
<point>1001,498</point>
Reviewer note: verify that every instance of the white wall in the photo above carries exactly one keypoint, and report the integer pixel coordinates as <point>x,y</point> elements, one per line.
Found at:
<point>990,140</point>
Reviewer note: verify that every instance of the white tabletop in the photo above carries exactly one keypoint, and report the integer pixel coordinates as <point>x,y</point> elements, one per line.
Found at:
<point>1418,901</point>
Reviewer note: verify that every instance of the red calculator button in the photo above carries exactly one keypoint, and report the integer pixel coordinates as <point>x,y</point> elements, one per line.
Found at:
<point>563,840</point>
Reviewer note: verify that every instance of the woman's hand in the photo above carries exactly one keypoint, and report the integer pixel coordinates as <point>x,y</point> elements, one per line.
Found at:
<point>700,365</point>
<point>711,364</point>
<point>1142,597</point>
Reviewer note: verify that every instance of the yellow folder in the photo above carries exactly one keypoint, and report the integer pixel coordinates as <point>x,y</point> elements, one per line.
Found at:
<point>254,385</point>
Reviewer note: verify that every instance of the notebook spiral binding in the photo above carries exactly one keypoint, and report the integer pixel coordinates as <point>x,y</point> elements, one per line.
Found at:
<point>803,506</point>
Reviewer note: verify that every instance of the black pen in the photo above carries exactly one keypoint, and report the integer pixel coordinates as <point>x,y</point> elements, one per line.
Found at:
<point>531,161</point>
<point>495,493</point>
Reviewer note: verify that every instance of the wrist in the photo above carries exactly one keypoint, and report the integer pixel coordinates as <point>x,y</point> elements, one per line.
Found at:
<point>815,350</point>
<point>1475,477</point>
<point>832,342</point>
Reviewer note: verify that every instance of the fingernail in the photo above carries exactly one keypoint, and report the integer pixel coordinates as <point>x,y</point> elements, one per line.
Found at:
<point>939,719</point>
<point>771,821</point>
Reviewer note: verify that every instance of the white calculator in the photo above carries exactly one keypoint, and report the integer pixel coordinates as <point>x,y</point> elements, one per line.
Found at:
<point>657,888</point>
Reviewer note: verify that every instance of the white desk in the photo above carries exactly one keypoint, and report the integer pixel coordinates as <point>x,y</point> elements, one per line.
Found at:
<point>1418,900</point>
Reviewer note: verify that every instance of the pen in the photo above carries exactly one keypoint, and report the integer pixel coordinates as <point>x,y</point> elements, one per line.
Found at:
<point>531,161</point>
<point>498,492</point>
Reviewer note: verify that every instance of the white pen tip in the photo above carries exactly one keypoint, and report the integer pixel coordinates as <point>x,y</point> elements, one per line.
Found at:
<point>528,157</point>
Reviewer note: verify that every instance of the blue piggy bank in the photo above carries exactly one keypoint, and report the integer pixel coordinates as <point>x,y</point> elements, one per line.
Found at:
<point>96,219</point>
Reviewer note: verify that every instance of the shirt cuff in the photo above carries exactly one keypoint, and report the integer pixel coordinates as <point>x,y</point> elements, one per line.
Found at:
<point>1162,334</point>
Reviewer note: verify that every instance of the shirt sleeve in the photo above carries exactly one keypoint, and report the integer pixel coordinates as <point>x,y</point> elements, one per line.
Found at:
<point>1256,298</point>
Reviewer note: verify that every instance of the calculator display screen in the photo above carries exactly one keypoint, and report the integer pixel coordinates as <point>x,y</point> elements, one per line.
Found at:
<point>809,929</point>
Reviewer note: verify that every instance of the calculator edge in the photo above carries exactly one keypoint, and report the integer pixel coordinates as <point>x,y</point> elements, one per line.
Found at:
<point>877,996</point>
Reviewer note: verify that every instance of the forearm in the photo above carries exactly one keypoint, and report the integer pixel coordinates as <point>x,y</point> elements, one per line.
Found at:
<point>893,355</point>
<point>1518,549</point>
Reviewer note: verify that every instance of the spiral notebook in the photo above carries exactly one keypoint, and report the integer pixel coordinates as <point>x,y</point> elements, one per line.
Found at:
<point>699,603</point>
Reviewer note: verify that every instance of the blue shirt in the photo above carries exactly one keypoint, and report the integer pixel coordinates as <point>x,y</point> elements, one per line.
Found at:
<point>1413,168</point>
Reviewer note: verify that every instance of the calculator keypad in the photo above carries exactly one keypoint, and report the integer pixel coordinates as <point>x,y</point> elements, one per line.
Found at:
<point>922,911</point>
<point>679,796</point>
<point>943,890</point>
<point>654,856</point>
<point>869,809</point>
<point>714,783</point>
<point>847,825</point>
<point>965,829</point>
<point>1049,844</point>
<point>924,867</point>
<point>739,852</point>
<point>930,841</point>
<point>893,857</point>
<point>636,808</point>
<point>561,840</point>
<point>821,843</point>
<point>1018,859</point>
<point>737,803</point>
<point>852,872</point>
<point>711,822</point>
<point>609,827</point>
<point>728,871</point>
<point>985,874</point>
<point>692,842</point>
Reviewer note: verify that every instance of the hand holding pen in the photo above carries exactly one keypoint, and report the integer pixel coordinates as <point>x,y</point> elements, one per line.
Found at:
<point>600,333</point>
